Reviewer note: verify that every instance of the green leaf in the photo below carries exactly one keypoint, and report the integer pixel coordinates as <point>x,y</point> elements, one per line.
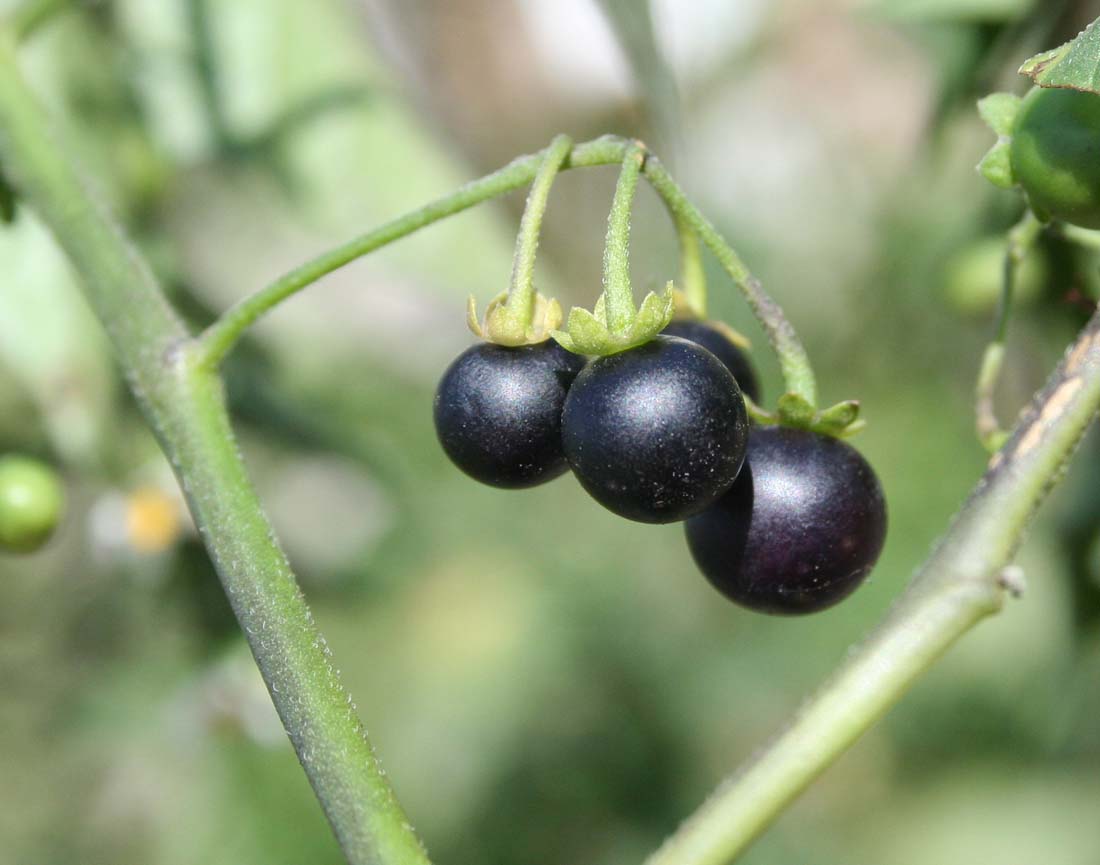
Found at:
<point>999,111</point>
<point>996,166</point>
<point>1074,66</point>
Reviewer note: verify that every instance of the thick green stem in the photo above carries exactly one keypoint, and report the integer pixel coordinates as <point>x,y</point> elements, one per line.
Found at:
<point>521,293</point>
<point>958,585</point>
<point>798,375</point>
<point>185,406</point>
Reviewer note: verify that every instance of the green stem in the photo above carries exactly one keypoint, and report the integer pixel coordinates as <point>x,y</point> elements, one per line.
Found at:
<point>616,254</point>
<point>521,293</point>
<point>798,375</point>
<point>1021,238</point>
<point>958,585</point>
<point>693,276</point>
<point>218,340</point>
<point>222,335</point>
<point>185,406</point>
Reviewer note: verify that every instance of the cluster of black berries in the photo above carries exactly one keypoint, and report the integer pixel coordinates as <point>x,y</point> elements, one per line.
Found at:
<point>779,520</point>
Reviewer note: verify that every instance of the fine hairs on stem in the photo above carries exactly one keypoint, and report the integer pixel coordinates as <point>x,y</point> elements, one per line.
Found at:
<point>173,375</point>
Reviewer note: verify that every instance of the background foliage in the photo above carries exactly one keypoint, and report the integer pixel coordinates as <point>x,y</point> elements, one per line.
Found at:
<point>546,683</point>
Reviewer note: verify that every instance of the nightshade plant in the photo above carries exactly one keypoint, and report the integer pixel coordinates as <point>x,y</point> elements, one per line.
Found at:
<point>174,376</point>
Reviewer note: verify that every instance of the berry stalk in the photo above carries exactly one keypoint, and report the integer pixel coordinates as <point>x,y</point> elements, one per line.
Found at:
<point>617,293</point>
<point>521,293</point>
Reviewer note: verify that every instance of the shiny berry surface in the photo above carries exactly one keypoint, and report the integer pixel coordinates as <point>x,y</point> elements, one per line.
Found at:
<point>711,337</point>
<point>498,412</point>
<point>800,529</point>
<point>655,433</point>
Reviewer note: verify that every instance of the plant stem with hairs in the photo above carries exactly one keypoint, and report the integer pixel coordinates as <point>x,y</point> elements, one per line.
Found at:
<point>174,378</point>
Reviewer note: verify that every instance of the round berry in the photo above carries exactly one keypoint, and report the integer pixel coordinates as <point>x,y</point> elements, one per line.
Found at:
<point>711,337</point>
<point>31,502</point>
<point>655,433</point>
<point>498,412</point>
<point>1056,156</point>
<point>800,529</point>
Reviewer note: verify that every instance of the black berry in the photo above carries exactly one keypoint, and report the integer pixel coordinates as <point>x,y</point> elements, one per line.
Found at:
<point>498,412</point>
<point>655,433</point>
<point>722,347</point>
<point>799,530</point>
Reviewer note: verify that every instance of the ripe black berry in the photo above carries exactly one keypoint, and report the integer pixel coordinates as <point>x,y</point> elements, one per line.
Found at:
<point>799,530</point>
<point>655,433</point>
<point>722,347</point>
<point>498,412</point>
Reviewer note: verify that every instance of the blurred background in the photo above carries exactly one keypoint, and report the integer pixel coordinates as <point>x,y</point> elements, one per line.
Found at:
<point>546,683</point>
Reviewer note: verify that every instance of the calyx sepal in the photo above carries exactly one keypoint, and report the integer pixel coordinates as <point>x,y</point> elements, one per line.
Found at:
<point>590,333</point>
<point>505,326</point>
<point>839,421</point>
<point>999,111</point>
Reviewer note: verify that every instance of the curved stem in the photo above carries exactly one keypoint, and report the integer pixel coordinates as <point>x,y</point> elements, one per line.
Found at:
<point>958,585</point>
<point>1021,238</point>
<point>616,253</point>
<point>185,406</point>
<point>798,375</point>
<point>693,276</point>
<point>521,293</point>
<point>218,339</point>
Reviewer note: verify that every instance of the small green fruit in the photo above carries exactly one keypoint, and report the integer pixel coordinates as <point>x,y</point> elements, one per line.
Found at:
<point>31,503</point>
<point>1055,154</point>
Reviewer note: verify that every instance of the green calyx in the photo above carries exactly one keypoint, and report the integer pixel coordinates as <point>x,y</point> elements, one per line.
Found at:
<point>999,111</point>
<point>522,316</point>
<point>506,325</point>
<point>839,421</point>
<point>594,333</point>
<point>615,323</point>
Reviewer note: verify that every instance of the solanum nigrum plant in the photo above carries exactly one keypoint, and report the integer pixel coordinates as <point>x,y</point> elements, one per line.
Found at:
<point>498,407</point>
<point>173,373</point>
<point>719,340</point>
<point>31,503</point>
<point>801,528</point>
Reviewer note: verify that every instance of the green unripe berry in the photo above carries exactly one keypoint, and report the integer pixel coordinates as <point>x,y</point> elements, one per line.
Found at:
<point>1055,154</point>
<point>31,503</point>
